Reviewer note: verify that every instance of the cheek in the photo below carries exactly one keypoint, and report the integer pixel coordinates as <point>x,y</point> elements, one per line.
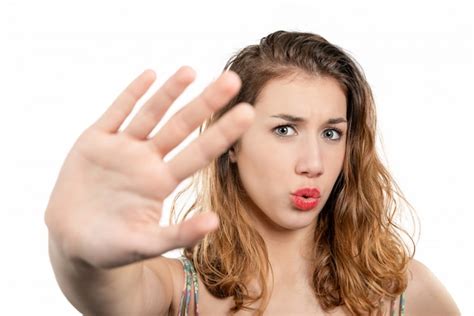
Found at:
<point>333,154</point>
<point>337,159</point>
<point>333,167</point>
<point>267,163</point>
<point>263,171</point>
<point>261,155</point>
<point>341,157</point>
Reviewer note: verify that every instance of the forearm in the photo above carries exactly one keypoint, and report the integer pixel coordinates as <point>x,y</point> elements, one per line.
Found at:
<point>96,291</point>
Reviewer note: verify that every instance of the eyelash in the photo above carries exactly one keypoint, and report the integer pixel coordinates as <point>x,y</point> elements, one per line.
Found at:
<point>329,129</point>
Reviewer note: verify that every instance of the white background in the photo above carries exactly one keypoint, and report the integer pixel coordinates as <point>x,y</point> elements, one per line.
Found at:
<point>62,63</point>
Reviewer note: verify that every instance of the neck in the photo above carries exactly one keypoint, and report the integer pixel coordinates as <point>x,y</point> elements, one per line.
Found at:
<point>289,251</point>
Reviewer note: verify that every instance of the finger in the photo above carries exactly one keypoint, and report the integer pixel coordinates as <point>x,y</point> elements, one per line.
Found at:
<point>116,114</point>
<point>158,240</point>
<point>183,123</point>
<point>154,109</point>
<point>212,143</point>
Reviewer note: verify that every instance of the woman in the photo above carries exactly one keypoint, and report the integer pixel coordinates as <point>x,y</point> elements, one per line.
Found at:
<point>294,213</point>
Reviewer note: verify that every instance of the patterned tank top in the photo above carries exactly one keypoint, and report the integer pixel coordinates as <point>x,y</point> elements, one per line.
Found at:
<point>191,287</point>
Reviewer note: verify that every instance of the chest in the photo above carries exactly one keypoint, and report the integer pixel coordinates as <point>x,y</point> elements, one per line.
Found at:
<point>294,300</point>
<point>287,298</point>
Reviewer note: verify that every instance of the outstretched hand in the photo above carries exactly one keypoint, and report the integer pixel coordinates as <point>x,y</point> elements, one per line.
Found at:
<point>107,202</point>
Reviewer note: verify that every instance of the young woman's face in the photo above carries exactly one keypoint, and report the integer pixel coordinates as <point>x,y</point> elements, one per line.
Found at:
<point>293,145</point>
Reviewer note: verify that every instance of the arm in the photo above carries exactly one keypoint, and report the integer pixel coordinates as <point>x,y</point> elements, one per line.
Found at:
<point>133,289</point>
<point>104,212</point>
<point>94,291</point>
<point>426,295</point>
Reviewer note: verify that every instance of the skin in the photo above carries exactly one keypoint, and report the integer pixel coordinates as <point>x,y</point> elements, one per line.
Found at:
<point>105,244</point>
<point>309,154</point>
<point>104,210</point>
<point>275,159</point>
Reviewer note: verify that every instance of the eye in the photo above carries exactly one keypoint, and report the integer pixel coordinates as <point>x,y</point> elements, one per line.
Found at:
<point>282,130</point>
<point>330,133</point>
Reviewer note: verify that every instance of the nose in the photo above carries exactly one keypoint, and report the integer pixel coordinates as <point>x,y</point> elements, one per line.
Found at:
<point>309,160</point>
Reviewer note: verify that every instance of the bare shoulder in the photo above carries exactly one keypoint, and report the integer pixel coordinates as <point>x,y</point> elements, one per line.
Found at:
<point>425,294</point>
<point>170,273</point>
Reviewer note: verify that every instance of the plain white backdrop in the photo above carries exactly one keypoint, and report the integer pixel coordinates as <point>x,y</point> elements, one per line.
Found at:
<point>62,63</point>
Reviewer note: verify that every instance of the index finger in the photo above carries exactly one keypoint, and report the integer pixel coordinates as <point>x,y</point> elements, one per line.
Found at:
<point>213,142</point>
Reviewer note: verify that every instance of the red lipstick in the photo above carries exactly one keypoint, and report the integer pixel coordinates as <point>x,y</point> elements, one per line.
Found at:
<point>305,199</point>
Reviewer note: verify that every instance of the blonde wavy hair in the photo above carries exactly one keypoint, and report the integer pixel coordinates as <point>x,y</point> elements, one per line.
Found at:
<point>359,254</point>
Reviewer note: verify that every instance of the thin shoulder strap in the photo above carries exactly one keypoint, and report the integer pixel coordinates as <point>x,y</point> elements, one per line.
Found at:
<point>401,306</point>
<point>190,283</point>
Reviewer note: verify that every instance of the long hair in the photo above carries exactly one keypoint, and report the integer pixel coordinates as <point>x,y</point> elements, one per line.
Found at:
<point>359,255</point>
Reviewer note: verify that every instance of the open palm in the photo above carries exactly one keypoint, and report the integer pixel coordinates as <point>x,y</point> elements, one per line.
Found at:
<point>107,202</point>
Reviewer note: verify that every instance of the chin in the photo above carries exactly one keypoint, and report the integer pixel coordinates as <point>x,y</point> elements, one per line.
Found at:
<point>296,219</point>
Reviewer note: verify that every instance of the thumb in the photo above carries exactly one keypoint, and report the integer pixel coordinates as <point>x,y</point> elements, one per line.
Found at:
<point>185,234</point>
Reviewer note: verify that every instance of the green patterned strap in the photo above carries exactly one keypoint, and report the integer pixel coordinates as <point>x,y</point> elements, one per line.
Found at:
<point>190,284</point>
<point>401,306</point>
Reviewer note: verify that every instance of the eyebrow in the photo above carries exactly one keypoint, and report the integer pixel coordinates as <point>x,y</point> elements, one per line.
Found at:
<point>296,119</point>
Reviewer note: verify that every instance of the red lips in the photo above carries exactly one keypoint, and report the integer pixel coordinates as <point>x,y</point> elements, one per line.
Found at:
<point>306,199</point>
<point>307,192</point>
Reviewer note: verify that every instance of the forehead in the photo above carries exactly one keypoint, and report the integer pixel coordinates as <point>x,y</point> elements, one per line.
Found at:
<point>302,94</point>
